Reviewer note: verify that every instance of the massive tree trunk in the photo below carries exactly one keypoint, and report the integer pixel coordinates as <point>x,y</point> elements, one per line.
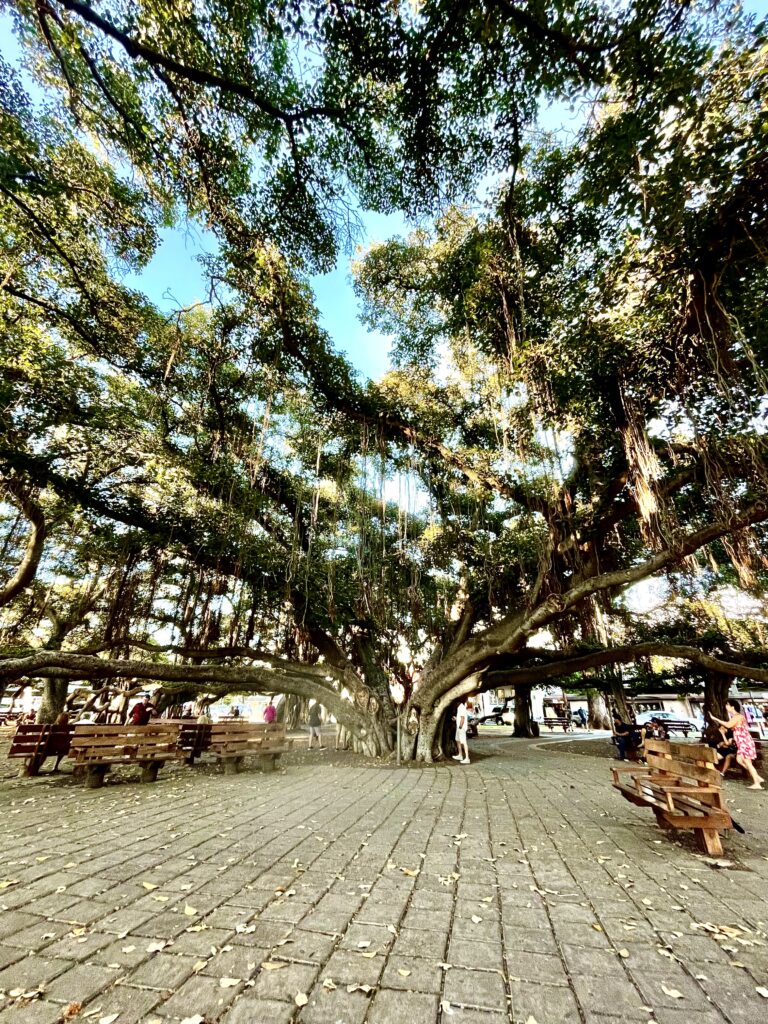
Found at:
<point>598,717</point>
<point>54,699</point>
<point>618,698</point>
<point>716,687</point>
<point>295,711</point>
<point>524,725</point>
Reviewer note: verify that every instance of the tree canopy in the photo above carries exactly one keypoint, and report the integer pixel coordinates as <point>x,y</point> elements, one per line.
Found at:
<point>208,497</point>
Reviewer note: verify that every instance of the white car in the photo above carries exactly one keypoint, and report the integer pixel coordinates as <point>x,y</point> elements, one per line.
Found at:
<point>694,725</point>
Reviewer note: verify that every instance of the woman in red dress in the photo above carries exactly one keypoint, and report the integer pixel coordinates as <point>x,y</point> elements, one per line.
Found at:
<point>745,745</point>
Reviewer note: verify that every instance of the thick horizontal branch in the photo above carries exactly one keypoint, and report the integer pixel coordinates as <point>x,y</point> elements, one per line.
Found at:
<point>510,635</point>
<point>273,675</point>
<point>565,666</point>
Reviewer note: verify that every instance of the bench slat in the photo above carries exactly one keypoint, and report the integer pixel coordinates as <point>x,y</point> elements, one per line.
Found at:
<point>685,769</point>
<point>682,751</point>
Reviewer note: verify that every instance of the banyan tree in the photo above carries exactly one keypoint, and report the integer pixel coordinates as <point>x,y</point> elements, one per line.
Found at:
<point>211,498</point>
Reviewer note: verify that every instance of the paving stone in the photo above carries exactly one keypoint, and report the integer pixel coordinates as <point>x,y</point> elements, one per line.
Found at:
<point>482,989</point>
<point>283,985</point>
<point>412,974</point>
<point>237,962</point>
<point>393,1007</point>
<point>331,1007</point>
<point>163,971</point>
<point>609,995</point>
<point>38,1012</point>
<point>133,1005</point>
<point>596,962</point>
<point>79,947</point>
<point>346,967</point>
<point>524,966</point>
<point>411,942</point>
<point>12,922</point>
<point>547,1004</point>
<point>467,953</point>
<point>248,1010</point>
<point>80,983</point>
<point>30,972</point>
<point>198,995</point>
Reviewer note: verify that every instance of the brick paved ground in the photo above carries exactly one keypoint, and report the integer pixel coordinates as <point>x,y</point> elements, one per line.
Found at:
<point>520,887</point>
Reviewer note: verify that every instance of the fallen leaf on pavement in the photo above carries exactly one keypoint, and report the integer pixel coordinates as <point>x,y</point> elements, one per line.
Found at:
<point>360,988</point>
<point>301,999</point>
<point>329,984</point>
<point>672,992</point>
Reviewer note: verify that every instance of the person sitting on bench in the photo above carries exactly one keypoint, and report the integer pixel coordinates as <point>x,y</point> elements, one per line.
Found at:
<point>627,737</point>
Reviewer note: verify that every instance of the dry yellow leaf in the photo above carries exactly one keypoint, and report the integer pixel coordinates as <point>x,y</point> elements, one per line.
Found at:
<point>301,999</point>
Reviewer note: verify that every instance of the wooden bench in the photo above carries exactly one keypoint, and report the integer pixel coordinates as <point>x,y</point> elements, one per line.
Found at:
<point>565,723</point>
<point>683,788</point>
<point>97,747</point>
<point>673,725</point>
<point>232,741</point>
<point>35,743</point>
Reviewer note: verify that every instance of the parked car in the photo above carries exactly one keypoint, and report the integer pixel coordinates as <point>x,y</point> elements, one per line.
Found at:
<point>471,724</point>
<point>695,725</point>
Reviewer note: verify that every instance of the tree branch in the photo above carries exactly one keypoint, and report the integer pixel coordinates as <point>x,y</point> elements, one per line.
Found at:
<point>27,568</point>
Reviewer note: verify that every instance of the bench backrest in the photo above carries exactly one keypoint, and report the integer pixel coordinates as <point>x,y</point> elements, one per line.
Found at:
<point>253,737</point>
<point>192,735</point>
<point>691,763</point>
<point>32,740</point>
<point>133,742</point>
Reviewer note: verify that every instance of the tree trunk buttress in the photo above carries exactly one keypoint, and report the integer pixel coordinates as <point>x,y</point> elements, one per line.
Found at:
<point>716,687</point>
<point>524,724</point>
<point>598,717</point>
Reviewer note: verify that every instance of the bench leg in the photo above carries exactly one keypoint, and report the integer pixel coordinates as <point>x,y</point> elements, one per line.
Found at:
<point>267,763</point>
<point>708,840</point>
<point>232,765</point>
<point>94,776</point>
<point>149,770</point>
<point>31,767</point>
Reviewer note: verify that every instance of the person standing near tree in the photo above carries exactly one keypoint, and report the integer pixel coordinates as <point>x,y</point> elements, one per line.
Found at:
<point>270,712</point>
<point>745,745</point>
<point>461,734</point>
<point>314,722</point>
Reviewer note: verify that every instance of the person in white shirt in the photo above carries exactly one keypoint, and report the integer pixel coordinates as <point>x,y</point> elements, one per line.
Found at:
<point>461,734</point>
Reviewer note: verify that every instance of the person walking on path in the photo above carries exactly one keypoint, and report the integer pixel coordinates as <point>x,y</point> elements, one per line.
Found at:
<point>745,745</point>
<point>314,722</point>
<point>461,734</point>
<point>270,712</point>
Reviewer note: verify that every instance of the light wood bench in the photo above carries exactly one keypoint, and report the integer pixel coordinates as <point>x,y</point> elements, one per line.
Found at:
<point>232,741</point>
<point>565,723</point>
<point>682,787</point>
<point>97,747</point>
<point>34,743</point>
